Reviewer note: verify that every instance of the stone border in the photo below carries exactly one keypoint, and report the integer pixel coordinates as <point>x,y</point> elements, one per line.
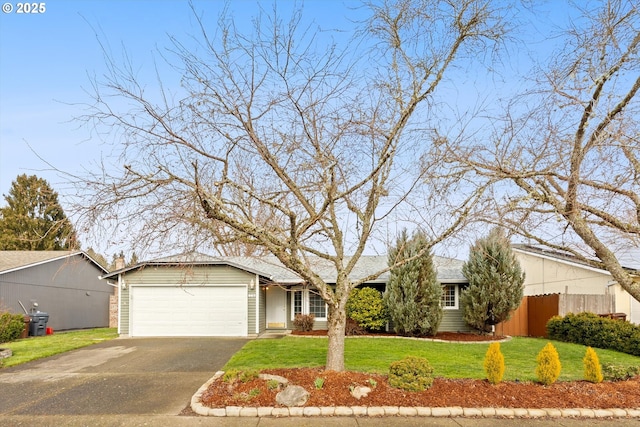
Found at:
<point>505,339</point>
<point>383,411</point>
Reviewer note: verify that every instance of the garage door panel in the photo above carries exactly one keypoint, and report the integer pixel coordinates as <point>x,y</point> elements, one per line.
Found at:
<point>189,311</point>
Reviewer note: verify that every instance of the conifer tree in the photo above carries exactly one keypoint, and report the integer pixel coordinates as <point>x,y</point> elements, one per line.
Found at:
<point>413,295</point>
<point>495,282</point>
<point>33,218</point>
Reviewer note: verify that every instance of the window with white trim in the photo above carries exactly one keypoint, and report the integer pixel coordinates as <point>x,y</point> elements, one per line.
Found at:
<point>450,297</point>
<point>305,301</point>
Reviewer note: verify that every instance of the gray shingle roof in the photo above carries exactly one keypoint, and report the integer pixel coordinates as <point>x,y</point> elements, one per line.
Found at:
<point>10,260</point>
<point>14,260</point>
<point>449,270</point>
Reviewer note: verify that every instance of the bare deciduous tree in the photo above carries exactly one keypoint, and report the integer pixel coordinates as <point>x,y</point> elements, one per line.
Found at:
<point>288,143</point>
<point>570,149</point>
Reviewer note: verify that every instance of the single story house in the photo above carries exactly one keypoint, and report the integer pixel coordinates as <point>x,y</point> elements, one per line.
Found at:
<point>200,295</point>
<point>553,272</point>
<point>64,284</point>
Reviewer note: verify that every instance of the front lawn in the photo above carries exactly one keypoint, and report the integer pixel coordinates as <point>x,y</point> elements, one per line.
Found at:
<point>32,348</point>
<point>450,360</point>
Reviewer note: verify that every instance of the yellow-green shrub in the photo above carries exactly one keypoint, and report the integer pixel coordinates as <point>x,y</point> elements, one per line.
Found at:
<point>548,365</point>
<point>494,363</point>
<point>411,373</point>
<point>592,367</point>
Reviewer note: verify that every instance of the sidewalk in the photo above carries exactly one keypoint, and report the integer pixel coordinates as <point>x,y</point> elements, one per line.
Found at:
<point>182,421</point>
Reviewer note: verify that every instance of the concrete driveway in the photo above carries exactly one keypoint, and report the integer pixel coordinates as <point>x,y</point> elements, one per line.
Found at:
<point>150,376</point>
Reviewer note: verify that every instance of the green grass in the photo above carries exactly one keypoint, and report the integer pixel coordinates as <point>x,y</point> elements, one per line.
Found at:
<point>28,349</point>
<point>450,360</point>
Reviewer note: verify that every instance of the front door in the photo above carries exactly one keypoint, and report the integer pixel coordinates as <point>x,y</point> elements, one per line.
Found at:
<point>276,307</point>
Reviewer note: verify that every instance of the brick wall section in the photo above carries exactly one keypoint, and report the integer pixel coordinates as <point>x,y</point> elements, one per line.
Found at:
<point>113,311</point>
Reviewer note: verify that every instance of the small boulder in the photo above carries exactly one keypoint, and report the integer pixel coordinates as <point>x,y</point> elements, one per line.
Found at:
<point>293,395</point>
<point>360,391</point>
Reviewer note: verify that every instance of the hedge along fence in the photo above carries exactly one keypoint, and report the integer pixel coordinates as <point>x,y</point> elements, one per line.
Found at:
<point>594,331</point>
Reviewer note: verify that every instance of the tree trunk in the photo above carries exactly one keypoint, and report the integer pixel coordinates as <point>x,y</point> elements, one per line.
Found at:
<point>336,325</point>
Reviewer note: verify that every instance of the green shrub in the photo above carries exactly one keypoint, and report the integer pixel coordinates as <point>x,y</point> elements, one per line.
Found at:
<point>591,330</point>
<point>366,306</point>
<point>548,365</point>
<point>11,326</point>
<point>303,322</point>
<point>494,363</point>
<point>245,376</point>
<point>411,373</point>
<point>612,372</point>
<point>592,367</point>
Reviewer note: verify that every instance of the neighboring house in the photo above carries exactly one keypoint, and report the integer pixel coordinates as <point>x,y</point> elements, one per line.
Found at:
<point>65,284</point>
<point>201,295</point>
<point>552,272</point>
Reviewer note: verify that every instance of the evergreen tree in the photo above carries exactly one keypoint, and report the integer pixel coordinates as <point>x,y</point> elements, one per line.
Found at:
<point>33,219</point>
<point>495,282</point>
<point>413,295</point>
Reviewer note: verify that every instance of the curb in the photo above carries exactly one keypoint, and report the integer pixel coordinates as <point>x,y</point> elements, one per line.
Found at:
<point>384,411</point>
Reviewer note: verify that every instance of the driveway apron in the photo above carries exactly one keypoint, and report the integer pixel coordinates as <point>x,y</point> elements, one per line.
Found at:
<point>121,376</point>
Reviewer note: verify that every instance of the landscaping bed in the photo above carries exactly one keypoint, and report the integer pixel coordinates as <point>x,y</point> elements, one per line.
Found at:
<point>333,389</point>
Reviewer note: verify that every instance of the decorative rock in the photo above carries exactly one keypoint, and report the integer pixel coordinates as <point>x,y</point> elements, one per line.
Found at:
<point>360,391</point>
<point>5,352</point>
<point>293,395</point>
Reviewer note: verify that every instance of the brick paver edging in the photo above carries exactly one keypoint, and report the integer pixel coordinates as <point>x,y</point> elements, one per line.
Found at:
<point>380,411</point>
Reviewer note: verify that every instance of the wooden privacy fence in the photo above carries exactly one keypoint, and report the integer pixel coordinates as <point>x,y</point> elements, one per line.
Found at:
<point>530,319</point>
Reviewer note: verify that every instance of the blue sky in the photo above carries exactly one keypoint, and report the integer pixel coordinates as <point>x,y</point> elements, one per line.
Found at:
<point>47,59</point>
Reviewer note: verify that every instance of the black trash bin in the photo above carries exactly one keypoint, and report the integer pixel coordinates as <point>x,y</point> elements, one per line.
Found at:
<point>38,325</point>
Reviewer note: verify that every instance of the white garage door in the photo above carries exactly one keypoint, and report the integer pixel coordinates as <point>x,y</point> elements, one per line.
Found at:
<point>182,311</point>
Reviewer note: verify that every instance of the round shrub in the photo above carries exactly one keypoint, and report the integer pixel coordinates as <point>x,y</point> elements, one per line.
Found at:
<point>11,326</point>
<point>548,365</point>
<point>494,363</point>
<point>366,306</point>
<point>411,373</point>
